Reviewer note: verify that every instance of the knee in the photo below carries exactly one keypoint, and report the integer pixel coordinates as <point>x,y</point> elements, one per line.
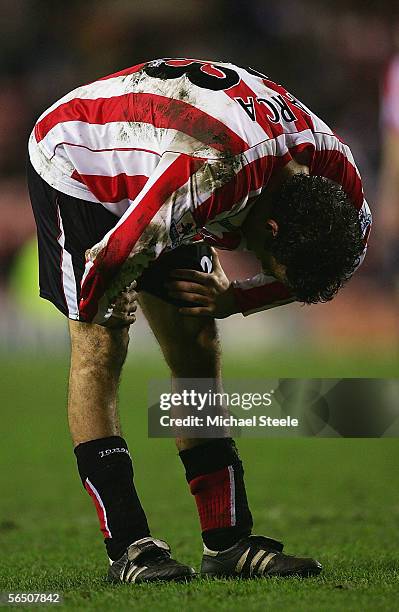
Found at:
<point>197,350</point>
<point>205,339</point>
<point>97,347</point>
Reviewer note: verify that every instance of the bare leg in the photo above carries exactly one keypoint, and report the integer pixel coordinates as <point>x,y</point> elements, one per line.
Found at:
<point>214,472</point>
<point>103,458</point>
<point>190,346</point>
<point>97,357</point>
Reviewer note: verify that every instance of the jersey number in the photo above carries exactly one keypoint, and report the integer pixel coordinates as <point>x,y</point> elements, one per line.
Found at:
<point>202,74</point>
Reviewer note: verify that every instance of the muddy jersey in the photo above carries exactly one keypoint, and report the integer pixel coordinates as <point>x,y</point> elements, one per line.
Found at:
<point>179,150</point>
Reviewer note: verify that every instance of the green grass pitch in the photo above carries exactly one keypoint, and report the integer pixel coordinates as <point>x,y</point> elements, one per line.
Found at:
<point>334,499</point>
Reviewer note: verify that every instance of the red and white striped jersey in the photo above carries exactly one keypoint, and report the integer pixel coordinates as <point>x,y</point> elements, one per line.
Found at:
<point>179,149</point>
<point>390,96</point>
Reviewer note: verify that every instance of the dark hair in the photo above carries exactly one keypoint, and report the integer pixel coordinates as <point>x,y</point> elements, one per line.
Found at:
<point>319,238</point>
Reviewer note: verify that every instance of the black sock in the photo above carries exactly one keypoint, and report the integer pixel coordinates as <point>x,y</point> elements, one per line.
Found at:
<point>106,470</point>
<point>216,478</point>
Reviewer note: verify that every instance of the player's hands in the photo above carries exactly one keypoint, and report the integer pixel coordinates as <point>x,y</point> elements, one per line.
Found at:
<point>123,308</point>
<point>210,291</point>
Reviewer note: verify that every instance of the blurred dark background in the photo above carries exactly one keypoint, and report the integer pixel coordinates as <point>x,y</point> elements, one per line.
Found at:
<point>333,56</point>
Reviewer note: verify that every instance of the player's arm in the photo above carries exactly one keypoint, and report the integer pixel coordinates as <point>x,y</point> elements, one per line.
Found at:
<point>261,292</point>
<point>139,237</point>
<point>215,296</point>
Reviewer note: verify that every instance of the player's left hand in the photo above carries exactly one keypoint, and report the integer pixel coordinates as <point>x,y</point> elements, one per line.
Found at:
<point>211,292</point>
<point>123,308</point>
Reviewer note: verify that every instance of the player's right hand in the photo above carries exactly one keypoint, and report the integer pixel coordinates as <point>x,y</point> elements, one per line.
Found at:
<point>211,291</point>
<point>123,308</point>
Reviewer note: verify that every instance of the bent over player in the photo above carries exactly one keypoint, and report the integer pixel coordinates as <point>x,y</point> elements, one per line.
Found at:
<point>134,178</point>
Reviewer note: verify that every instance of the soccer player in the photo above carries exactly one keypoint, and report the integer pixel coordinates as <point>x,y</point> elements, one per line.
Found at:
<point>134,178</point>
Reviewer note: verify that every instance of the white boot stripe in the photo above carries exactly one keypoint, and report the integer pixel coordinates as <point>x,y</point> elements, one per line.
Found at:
<point>130,572</point>
<point>255,560</point>
<point>139,570</point>
<point>242,560</point>
<point>264,563</point>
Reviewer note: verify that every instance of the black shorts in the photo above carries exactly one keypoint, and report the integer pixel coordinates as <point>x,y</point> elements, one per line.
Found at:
<point>68,226</point>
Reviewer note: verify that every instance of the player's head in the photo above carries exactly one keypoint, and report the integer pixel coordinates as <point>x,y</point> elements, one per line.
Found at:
<point>314,237</point>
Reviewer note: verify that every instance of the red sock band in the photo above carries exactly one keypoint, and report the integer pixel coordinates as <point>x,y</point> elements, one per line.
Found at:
<point>100,508</point>
<point>215,498</point>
